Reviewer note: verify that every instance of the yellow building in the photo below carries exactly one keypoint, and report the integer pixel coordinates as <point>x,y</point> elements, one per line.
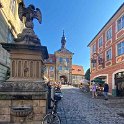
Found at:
<point>59,67</point>
<point>77,74</point>
<point>10,27</point>
<point>59,64</point>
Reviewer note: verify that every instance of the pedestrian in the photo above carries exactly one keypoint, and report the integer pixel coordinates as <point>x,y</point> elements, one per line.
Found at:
<point>81,85</point>
<point>94,90</point>
<point>106,90</point>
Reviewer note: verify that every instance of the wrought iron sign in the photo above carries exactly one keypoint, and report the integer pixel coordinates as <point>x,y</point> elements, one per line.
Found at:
<point>100,60</point>
<point>94,59</point>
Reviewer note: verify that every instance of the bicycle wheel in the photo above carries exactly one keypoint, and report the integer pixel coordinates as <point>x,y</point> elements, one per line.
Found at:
<point>51,119</point>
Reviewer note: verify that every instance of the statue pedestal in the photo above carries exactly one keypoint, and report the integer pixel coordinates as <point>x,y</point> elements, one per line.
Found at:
<point>23,97</point>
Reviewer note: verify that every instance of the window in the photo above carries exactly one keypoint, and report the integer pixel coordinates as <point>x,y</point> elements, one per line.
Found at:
<point>50,60</point>
<point>67,60</point>
<point>100,41</point>
<point>109,34</point>
<point>60,59</point>
<point>66,68</point>
<point>13,6</point>
<point>108,54</point>
<point>120,48</point>
<point>51,68</point>
<point>120,23</point>
<point>94,48</point>
<point>60,68</point>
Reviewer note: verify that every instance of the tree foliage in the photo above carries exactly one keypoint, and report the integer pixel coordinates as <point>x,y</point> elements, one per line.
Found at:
<point>87,74</point>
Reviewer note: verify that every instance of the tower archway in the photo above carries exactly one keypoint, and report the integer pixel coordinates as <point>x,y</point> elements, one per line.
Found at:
<point>118,82</point>
<point>63,79</point>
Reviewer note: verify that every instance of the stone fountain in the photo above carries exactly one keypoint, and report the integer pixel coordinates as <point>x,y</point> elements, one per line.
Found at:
<point>23,97</point>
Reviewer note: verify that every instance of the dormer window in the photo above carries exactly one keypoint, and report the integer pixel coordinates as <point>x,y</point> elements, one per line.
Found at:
<point>79,70</point>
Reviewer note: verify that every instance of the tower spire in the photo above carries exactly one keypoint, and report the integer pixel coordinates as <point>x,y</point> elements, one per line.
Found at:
<point>63,41</point>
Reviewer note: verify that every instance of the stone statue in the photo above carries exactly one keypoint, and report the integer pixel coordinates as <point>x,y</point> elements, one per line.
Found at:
<point>28,35</point>
<point>30,13</point>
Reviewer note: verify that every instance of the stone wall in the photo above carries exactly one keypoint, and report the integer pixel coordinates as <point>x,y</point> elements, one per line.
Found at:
<point>4,63</point>
<point>39,110</point>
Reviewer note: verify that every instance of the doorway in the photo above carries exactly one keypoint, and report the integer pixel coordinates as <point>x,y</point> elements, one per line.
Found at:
<point>119,83</point>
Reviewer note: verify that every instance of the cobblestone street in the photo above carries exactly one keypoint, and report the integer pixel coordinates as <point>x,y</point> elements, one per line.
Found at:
<point>77,107</point>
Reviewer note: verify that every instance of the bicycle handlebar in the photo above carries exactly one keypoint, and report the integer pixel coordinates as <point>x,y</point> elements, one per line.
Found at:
<point>53,100</point>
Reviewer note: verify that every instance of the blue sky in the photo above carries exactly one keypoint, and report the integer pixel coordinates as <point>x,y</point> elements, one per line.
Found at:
<point>80,19</point>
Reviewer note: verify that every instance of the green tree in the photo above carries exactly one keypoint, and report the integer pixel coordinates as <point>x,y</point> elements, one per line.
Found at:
<point>87,74</point>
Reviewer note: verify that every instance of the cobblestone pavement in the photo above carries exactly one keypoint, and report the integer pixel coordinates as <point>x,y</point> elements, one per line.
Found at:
<point>77,107</point>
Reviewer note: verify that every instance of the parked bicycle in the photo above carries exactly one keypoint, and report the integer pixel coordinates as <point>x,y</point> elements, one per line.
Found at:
<point>52,117</point>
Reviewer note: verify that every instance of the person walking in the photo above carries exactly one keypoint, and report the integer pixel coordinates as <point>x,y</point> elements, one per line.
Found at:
<point>106,90</point>
<point>94,90</point>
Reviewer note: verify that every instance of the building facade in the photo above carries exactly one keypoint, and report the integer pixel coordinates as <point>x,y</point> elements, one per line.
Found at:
<point>10,26</point>
<point>59,67</point>
<point>107,53</point>
<point>77,74</point>
<point>59,64</point>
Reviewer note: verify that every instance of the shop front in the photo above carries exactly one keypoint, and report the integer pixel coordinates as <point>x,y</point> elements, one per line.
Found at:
<point>119,83</point>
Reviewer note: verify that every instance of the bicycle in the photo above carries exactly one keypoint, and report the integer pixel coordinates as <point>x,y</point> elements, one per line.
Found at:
<point>52,117</point>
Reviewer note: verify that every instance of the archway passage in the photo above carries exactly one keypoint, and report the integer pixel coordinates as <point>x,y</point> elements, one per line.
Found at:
<point>63,79</point>
<point>119,83</point>
<point>99,81</point>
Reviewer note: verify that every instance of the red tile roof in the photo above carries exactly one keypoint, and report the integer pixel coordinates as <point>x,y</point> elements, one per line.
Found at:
<point>77,70</point>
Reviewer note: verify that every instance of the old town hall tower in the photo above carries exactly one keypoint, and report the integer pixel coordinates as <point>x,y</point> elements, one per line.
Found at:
<point>59,64</point>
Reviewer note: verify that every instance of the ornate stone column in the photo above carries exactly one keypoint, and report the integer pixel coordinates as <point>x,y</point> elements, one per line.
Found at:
<point>23,98</point>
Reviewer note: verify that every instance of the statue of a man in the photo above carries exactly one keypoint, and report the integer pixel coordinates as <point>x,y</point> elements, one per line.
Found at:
<point>29,13</point>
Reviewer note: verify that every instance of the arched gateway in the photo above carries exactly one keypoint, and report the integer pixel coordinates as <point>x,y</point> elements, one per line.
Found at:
<point>118,82</point>
<point>63,79</point>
